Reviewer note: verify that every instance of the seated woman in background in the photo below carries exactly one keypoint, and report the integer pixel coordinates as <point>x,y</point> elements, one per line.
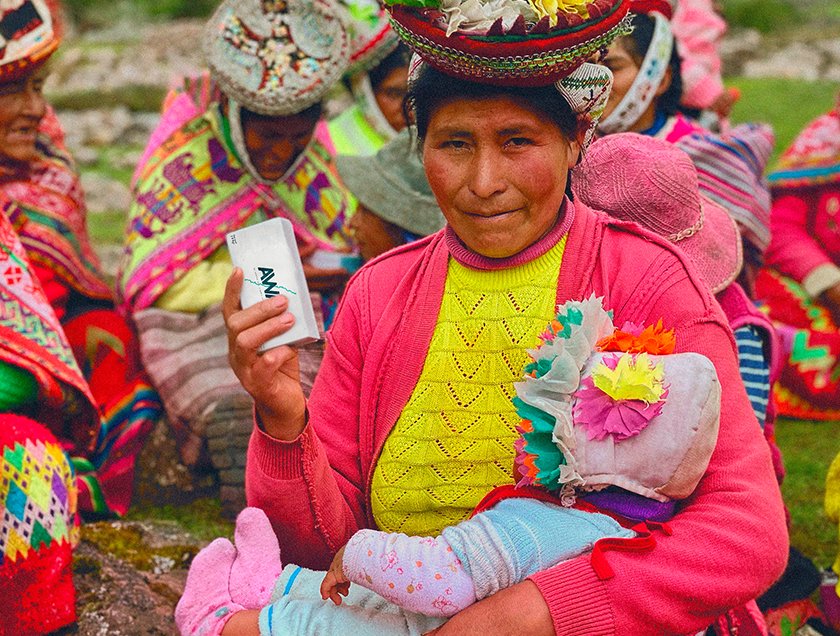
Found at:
<point>376,78</point>
<point>395,204</point>
<point>47,413</point>
<point>41,196</point>
<point>801,283</point>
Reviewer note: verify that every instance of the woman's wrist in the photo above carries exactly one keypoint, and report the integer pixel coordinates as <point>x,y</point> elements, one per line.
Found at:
<point>283,427</point>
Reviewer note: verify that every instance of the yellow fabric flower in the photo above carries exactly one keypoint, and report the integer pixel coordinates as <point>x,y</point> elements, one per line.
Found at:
<point>632,378</point>
<point>550,8</point>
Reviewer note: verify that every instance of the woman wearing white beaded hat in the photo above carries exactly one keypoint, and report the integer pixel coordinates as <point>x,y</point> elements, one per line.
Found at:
<point>248,150</point>
<point>410,422</point>
<point>376,79</point>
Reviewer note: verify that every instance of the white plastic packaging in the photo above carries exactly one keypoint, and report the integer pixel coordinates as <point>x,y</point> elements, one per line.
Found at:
<point>267,253</point>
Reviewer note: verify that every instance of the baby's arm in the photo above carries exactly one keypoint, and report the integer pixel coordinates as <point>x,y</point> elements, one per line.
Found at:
<point>420,574</point>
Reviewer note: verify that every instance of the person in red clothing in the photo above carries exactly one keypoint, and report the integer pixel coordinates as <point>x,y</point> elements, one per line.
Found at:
<point>41,196</point>
<point>801,283</point>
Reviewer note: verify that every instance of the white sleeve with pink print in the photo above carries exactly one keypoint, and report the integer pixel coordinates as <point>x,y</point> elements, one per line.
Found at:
<point>420,574</point>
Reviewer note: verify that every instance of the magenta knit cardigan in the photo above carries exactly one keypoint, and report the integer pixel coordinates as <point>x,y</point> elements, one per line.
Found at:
<point>729,541</point>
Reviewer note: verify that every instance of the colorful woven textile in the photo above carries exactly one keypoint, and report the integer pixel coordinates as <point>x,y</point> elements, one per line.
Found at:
<point>28,37</point>
<point>730,169</point>
<point>38,529</point>
<point>813,157</point>
<point>276,57</point>
<point>46,205</point>
<point>109,354</point>
<point>193,190</point>
<point>809,386</point>
<point>32,338</point>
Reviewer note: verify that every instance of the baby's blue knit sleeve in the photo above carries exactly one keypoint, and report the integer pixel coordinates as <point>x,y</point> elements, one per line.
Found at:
<point>518,537</point>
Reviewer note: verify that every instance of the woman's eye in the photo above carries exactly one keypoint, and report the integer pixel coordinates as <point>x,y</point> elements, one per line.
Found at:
<point>454,144</point>
<point>519,142</point>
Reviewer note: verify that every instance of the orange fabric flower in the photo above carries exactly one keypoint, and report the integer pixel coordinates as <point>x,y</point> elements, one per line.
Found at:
<point>653,339</point>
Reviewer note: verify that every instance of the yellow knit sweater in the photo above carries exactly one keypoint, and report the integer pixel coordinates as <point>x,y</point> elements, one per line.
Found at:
<point>454,440</point>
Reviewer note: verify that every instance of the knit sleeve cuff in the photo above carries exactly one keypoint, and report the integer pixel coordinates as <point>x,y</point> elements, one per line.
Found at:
<point>276,458</point>
<point>576,598</point>
<point>821,278</point>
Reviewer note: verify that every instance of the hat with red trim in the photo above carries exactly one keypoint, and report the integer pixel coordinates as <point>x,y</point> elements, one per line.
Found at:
<point>370,33</point>
<point>509,42</point>
<point>27,36</point>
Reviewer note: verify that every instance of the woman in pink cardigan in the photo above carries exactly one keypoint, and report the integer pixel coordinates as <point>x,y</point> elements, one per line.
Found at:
<point>409,423</point>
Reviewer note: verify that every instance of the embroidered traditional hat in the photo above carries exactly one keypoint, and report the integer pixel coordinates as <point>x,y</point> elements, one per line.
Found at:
<point>392,184</point>
<point>730,168</point>
<point>814,156</point>
<point>276,57</point>
<point>509,42</point>
<point>653,183</point>
<point>370,34</point>
<point>27,36</point>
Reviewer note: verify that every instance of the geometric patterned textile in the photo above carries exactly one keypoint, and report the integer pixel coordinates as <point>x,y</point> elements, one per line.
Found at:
<point>809,386</point>
<point>38,529</point>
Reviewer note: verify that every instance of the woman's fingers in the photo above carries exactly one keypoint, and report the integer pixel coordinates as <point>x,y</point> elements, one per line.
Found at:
<point>233,288</point>
<point>247,341</point>
<point>264,310</point>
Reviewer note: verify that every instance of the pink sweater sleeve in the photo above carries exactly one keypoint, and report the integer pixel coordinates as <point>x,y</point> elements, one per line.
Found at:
<point>311,488</point>
<point>729,542</point>
<point>793,251</point>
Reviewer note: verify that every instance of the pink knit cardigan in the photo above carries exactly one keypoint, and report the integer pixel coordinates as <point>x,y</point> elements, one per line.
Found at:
<point>729,541</point>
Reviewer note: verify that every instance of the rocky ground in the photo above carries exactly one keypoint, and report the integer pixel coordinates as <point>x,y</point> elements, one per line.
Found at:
<point>107,88</point>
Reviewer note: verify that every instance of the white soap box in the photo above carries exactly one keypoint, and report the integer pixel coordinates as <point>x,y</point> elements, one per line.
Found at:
<point>268,255</point>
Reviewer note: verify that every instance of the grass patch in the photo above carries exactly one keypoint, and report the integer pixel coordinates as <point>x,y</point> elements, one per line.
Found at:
<point>103,13</point>
<point>786,104</point>
<point>201,517</point>
<point>764,15</point>
<point>135,97</point>
<point>807,458</point>
<point>107,228</point>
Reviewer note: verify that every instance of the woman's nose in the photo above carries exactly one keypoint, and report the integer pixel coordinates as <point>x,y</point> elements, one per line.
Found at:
<point>487,176</point>
<point>34,104</point>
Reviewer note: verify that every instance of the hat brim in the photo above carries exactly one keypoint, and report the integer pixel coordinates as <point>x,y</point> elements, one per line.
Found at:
<point>716,248</point>
<point>509,60</point>
<point>388,198</point>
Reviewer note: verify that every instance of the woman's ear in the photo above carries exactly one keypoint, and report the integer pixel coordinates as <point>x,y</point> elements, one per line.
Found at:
<point>665,84</point>
<point>573,153</point>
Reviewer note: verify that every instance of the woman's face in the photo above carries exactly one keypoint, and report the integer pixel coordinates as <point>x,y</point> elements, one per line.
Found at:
<point>498,169</point>
<point>22,107</point>
<point>390,95</point>
<point>372,235</point>
<point>275,142</point>
<point>625,67</point>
